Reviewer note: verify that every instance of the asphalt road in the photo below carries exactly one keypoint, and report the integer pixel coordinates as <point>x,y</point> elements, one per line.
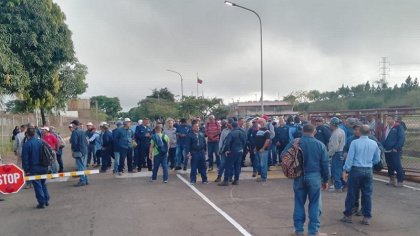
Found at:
<point>132,206</point>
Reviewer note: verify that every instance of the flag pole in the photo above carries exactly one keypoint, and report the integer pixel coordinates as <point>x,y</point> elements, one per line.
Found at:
<point>197,84</point>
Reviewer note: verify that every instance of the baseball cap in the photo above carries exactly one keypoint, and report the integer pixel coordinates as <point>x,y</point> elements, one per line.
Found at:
<point>351,121</point>
<point>46,128</point>
<point>103,124</point>
<point>70,125</point>
<point>265,117</point>
<point>127,120</point>
<point>118,123</point>
<point>75,122</point>
<point>335,121</point>
<point>140,122</point>
<point>230,121</point>
<point>89,124</point>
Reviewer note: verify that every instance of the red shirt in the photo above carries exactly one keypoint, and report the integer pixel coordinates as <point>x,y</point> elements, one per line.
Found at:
<point>51,140</point>
<point>213,132</point>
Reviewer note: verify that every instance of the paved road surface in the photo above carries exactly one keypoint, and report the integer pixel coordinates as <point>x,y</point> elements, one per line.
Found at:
<point>133,206</point>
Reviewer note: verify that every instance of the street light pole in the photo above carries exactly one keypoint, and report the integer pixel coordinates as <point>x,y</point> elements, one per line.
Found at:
<point>261,49</point>
<point>182,82</point>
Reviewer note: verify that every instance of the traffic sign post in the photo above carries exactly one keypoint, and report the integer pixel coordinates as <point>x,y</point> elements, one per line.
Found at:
<point>12,178</point>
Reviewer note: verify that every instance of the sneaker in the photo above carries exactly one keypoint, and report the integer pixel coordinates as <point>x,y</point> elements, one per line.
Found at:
<point>80,184</point>
<point>205,182</point>
<point>359,213</point>
<point>210,169</point>
<point>254,175</point>
<point>151,180</point>
<point>365,221</point>
<point>347,219</point>
<point>39,206</point>
<point>47,204</point>
<point>138,169</point>
<point>120,173</point>
<point>399,185</point>
<point>259,180</point>
<point>224,183</point>
<point>178,168</point>
<point>218,179</point>
<point>235,182</point>
<point>192,183</point>
<point>185,168</point>
<point>165,181</point>
<point>297,234</point>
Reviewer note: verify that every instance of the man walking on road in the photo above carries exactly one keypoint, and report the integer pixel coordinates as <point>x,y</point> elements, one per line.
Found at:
<point>363,154</point>
<point>233,151</point>
<point>170,131</point>
<point>143,134</point>
<point>159,147</point>
<point>196,150</point>
<point>393,143</point>
<point>213,131</point>
<point>124,139</point>
<point>79,147</point>
<point>308,186</point>
<point>223,135</point>
<point>31,161</point>
<point>335,151</point>
<point>262,148</point>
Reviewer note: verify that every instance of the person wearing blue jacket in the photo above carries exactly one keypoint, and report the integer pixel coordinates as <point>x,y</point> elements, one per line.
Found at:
<point>115,147</point>
<point>143,136</point>
<point>282,137</point>
<point>196,148</point>
<point>393,142</point>
<point>107,143</point>
<point>182,131</point>
<point>308,186</point>
<point>79,148</point>
<point>233,150</point>
<point>31,156</point>
<point>124,140</point>
<point>323,132</point>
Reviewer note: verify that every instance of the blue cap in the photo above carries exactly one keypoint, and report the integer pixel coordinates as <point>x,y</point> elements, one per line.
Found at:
<point>335,121</point>
<point>235,124</point>
<point>118,123</point>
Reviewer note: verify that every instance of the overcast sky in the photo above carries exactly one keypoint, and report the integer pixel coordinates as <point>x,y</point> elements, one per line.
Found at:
<point>313,44</point>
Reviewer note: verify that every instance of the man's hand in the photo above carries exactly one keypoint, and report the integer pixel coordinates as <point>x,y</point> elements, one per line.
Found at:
<point>147,135</point>
<point>325,186</point>
<point>189,156</point>
<point>227,153</point>
<point>151,157</point>
<point>345,175</point>
<point>394,150</point>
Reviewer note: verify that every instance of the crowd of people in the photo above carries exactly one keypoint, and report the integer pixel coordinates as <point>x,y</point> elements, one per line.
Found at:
<point>342,152</point>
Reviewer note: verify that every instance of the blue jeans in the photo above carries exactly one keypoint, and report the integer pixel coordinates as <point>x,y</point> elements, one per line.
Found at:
<point>273,154</point>
<point>181,155</point>
<point>213,148</point>
<point>81,166</point>
<point>233,165</point>
<point>144,156</point>
<point>116,161</point>
<point>106,159</point>
<point>40,187</point>
<point>360,179</point>
<point>307,187</point>
<point>198,161</point>
<point>126,153</point>
<point>337,169</point>
<point>91,153</point>
<point>393,161</point>
<point>157,161</point>
<point>60,162</point>
<point>262,157</point>
<point>172,157</point>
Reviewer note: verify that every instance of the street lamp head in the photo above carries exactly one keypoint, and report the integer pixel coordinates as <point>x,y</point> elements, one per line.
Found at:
<point>230,3</point>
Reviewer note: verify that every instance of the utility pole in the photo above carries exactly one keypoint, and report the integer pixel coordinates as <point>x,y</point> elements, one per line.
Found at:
<point>384,68</point>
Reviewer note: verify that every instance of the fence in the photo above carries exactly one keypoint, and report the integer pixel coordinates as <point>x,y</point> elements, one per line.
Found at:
<point>410,116</point>
<point>9,121</point>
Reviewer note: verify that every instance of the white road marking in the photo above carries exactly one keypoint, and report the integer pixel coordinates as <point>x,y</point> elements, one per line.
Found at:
<point>224,214</point>
<point>407,186</point>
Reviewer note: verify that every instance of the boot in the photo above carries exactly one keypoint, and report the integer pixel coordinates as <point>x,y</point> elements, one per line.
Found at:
<point>235,182</point>
<point>392,181</point>
<point>218,179</point>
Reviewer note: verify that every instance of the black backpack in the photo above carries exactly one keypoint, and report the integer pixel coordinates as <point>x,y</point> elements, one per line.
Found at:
<point>47,155</point>
<point>162,145</point>
<point>298,132</point>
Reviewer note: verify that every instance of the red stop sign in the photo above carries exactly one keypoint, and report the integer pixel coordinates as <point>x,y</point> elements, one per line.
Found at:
<point>12,178</point>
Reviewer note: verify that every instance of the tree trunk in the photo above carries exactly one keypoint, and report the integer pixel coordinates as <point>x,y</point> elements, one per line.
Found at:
<point>44,121</point>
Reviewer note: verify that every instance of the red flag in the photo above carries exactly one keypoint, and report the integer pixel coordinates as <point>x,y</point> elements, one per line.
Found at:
<point>199,81</point>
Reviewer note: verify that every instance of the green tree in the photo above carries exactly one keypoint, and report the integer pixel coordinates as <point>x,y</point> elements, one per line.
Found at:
<point>192,106</point>
<point>40,41</point>
<point>109,105</point>
<point>163,94</point>
<point>72,83</point>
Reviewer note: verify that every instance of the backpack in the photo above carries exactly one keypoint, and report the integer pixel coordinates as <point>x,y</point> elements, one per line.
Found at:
<point>61,140</point>
<point>292,161</point>
<point>47,155</point>
<point>162,145</point>
<point>298,132</point>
